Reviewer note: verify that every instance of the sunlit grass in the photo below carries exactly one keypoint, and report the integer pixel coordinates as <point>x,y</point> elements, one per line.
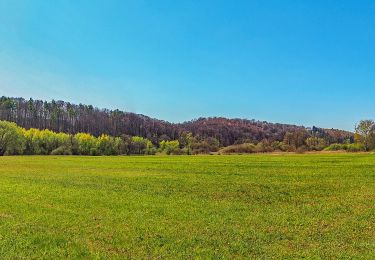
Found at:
<point>180,206</point>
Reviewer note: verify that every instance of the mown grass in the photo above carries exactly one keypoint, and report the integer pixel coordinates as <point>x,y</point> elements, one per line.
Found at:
<point>264,206</point>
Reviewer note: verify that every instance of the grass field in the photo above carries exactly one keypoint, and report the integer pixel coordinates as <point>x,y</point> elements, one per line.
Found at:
<point>181,207</point>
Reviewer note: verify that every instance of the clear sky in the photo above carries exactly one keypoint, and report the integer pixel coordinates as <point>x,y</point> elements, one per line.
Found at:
<point>309,62</point>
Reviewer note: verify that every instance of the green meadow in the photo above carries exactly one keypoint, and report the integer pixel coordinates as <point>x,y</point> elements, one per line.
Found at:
<point>260,206</point>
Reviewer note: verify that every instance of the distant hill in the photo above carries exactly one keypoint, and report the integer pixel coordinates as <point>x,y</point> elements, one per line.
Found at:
<point>230,131</point>
<point>61,116</point>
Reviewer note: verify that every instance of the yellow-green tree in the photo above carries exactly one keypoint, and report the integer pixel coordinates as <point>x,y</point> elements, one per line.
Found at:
<point>170,147</point>
<point>12,140</point>
<point>87,144</point>
<point>315,143</point>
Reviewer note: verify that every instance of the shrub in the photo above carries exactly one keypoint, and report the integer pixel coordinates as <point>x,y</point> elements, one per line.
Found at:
<point>277,146</point>
<point>94,151</point>
<point>170,147</point>
<point>87,144</point>
<point>335,147</point>
<point>140,145</point>
<point>264,147</point>
<point>62,150</point>
<point>301,149</point>
<point>346,147</point>
<point>355,148</point>
<point>108,145</point>
<point>204,146</point>
<point>238,148</point>
<point>315,143</point>
<point>288,148</point>
<point>150,149</point>
<point>12,141</point>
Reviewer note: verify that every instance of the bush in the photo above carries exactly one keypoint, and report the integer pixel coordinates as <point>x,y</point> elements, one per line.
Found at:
<point>301,149</point>
<point>170,147</point>
<point>12,140</point>
<point>62,150</point>
<point>277,146</point>
<point>264,147</point>
<point>335,147</point>
<point>140,145</point>
<point>315,143</point>
<point>150,150</point>
<point>346,147</point>
<point>355,148</point>
<point>108,145</point>
<point>288,148</point>
<point>87,144</point>
<point>94,152</point>
<point>204,146</point>
<point>238,148</point>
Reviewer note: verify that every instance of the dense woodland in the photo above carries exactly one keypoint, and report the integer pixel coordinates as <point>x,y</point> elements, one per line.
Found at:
<point>60,127</point>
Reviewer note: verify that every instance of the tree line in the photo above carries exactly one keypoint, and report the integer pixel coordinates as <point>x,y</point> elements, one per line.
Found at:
<point>60,116</point>
<point>88,130</point>
<point>15,140</point>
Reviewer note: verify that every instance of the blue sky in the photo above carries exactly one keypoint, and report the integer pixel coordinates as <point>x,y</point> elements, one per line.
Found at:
<point>302,62</point>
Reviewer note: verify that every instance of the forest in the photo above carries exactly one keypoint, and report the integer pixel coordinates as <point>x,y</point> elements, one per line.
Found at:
<point>58,127</point>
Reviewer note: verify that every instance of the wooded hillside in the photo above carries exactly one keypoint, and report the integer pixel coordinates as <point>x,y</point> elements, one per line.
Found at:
<point>60,116</point>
